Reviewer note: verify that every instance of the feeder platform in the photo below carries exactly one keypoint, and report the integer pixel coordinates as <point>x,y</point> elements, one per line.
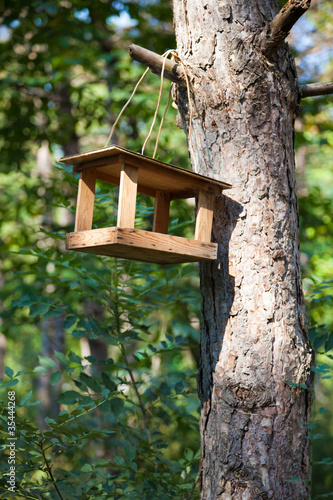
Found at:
<point>134,173</point>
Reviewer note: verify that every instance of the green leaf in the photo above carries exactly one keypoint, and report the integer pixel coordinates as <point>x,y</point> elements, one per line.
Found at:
<point>78,333</point>
<point>92,282</point>
<point>48,362</point>
<point>74,358</point>
<point>9,372</point>
<point>86,468</point>
<point>26,398</point>
<point>188,454</point>
<point>40,369</point>
<point>36,309</point>
<point>117,406</point>
<point>69,322</point>
<point>52,313</point>
<point>26,300</point>
<point>320,369</point>
<point>55,378</point>
<point>50,421</point>
<point>90,382</point>
<point>133,466</point>
<point>323,410</point>
<point>130,453</point>
<point>329,343</point>
<point>69,397</point>
<point>109,384</point>
<point>74,284</point>
<point>9,383</point>
<point>319,341</point>
<point>165,389</point>
<point>187,486</point>
<point>61,358</point>
<point>317,436</point>
<point>119,461</point>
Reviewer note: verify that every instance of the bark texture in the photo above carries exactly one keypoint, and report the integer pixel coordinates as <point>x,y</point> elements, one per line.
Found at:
<point>255,355</point>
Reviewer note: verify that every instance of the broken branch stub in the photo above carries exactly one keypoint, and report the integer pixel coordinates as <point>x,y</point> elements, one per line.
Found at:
<point>172,70</point>
<point>281,25</point>
<point>316,89</point>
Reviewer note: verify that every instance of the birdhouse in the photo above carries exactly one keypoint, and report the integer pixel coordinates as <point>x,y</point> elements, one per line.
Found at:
<point>134,173</point>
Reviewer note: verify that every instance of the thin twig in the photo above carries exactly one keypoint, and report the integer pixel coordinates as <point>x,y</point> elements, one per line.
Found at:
<point>50,471</point>
<point>134,384</point>
<point>23,493</point>
<point>193,487</point>
<point>128,367</point>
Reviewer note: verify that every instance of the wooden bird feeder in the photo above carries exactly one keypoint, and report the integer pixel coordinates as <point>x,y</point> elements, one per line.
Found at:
<point>134,173</point>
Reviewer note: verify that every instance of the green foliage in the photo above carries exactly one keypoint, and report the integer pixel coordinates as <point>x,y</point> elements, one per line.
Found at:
<point>314,161</point>
<point>125,425</point>
<point>132,414</point>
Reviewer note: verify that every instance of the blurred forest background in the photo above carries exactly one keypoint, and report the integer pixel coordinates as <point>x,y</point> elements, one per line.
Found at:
<point>103,353</point>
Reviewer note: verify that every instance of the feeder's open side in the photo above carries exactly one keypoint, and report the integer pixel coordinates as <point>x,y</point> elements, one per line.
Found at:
<point>134,173</point>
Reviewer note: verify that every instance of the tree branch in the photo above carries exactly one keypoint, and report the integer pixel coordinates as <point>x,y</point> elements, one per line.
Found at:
<point>49,470</point>
<point>175,73</point>
<point>172,70</point>
<point>282,24</point>
<point>316,89</point>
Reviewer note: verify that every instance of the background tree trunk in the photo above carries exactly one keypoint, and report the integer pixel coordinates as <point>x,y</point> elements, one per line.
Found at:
<point>255,371</point>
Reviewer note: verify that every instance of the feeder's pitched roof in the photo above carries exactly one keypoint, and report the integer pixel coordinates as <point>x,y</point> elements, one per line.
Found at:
<point>153,174</point>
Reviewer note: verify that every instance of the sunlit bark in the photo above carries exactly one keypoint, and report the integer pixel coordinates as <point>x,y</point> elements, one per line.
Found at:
<point>255,371</point>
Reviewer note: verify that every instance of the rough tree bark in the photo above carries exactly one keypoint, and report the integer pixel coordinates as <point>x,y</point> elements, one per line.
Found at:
<point>255,372</point>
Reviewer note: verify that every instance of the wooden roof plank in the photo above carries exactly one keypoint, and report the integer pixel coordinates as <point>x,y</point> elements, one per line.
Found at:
<point>153,174</point>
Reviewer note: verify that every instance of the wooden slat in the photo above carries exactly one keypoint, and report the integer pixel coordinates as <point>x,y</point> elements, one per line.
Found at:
<point>127,196</point>
<point>158,175</point>
<point>179,195</point>
<point>146,246</point>
<point>85,200</point>
<point>107,178</point>
<point>154,177</point>
<point>161,212</point>
<point>204,219</point>
<point>116,181</point>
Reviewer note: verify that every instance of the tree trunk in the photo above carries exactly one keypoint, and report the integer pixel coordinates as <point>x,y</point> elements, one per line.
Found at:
<point>255,372</point>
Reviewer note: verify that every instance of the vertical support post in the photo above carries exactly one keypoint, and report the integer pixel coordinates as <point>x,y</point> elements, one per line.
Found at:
<point>85,200</point>
<point>161,212</point>
<point>127,196</point>
<point>204,220</point>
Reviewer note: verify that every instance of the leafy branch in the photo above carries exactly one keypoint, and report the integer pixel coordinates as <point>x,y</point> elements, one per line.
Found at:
<point>49,470</point>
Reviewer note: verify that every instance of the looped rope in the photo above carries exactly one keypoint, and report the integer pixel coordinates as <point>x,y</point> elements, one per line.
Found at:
<point>121,112</point>
<point>162,121</point>
<point>191,112</point>
<point>177,58</point>
<point>165,55</point>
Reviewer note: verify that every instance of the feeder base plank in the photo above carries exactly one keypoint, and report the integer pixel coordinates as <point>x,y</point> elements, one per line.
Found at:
<point>146,246</point>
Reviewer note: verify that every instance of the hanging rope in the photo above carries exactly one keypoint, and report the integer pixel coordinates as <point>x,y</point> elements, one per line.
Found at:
<point>129,100</point>
<point>177,58</point>
<point>191,113</point>
<point>162,121</point>
<point>165,55</point>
